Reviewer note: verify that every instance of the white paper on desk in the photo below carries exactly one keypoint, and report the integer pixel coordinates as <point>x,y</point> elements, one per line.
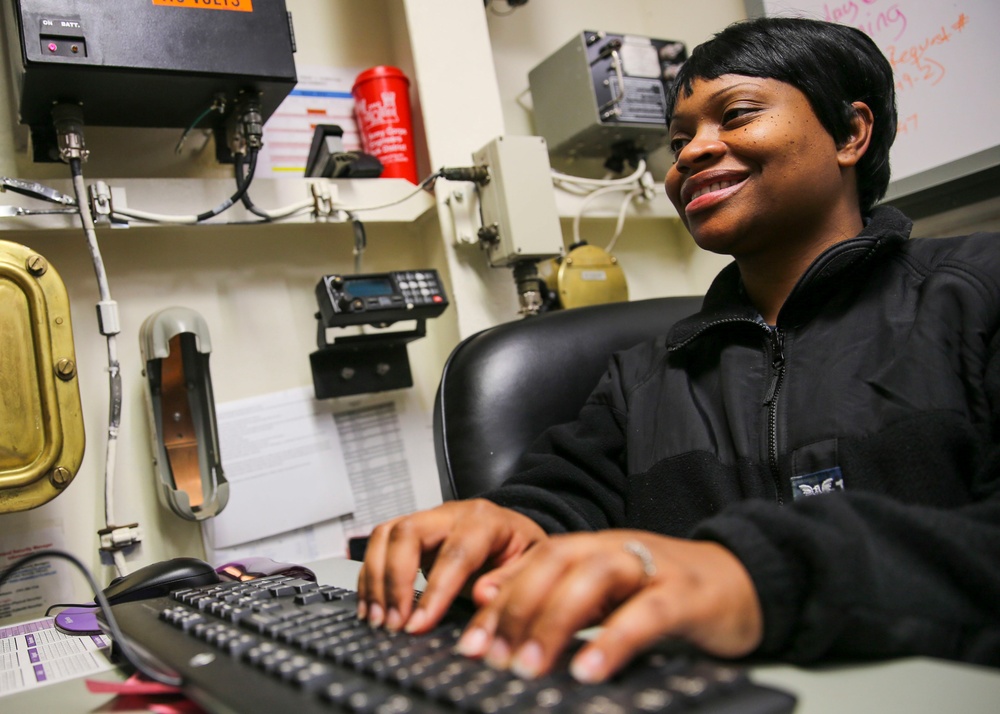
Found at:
<point>35,653</point>
<point>282,457</point>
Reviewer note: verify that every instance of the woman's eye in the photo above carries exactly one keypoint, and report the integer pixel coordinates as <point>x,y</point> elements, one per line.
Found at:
<point>735,113</point>
<point>677,145</point>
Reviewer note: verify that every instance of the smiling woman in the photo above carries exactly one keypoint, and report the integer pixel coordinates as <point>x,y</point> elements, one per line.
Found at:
<point>757,177</point>
<point>806,469</point>
<point>770,166</point>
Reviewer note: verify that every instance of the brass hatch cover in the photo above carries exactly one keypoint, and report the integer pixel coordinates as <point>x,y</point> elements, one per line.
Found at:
<point>41,423</point>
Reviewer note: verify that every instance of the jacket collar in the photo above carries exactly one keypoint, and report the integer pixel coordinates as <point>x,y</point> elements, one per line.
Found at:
<point>841,265</point>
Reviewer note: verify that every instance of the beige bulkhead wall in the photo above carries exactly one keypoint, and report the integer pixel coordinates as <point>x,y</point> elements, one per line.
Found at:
<point>254,284</point>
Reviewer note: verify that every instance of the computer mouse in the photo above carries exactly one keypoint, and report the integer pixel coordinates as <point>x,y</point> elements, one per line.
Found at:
<point>160,579</point>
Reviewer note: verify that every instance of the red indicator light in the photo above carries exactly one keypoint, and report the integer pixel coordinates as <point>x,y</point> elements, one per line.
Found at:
<point>53,47</point>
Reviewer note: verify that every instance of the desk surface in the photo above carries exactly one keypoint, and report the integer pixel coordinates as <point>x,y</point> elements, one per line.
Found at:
<point>915,686</point>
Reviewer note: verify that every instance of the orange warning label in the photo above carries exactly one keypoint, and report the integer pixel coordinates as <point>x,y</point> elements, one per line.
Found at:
<point>237,5</point>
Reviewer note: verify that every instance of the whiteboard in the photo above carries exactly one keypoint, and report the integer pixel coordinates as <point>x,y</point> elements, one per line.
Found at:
<point>945,56</point>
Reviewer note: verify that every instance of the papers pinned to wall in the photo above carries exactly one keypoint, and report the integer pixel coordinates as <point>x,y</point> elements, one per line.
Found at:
<point>380,453</point>
<point>282,456</point>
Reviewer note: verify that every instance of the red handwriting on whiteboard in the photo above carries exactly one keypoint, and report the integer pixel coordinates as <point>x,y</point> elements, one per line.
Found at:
<point>868,18</point>
<point>906,125</point>
<point>914,64</point>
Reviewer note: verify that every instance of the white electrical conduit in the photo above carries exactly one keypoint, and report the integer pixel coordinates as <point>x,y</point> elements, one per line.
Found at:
<point>634,177</point>
<point>631,192</point>
<point>114,375</point>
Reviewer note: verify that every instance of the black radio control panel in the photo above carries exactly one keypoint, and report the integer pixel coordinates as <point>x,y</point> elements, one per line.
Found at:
<point>380,298</point>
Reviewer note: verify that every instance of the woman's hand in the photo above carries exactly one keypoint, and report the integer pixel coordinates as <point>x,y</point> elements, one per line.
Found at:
<point>452,542</point>
<point>641,586</point>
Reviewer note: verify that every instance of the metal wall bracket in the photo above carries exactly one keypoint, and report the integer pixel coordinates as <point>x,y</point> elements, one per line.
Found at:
<point>359,364</point>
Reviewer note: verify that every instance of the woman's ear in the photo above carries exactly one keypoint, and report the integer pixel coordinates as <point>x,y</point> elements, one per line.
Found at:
<point>850,151</point>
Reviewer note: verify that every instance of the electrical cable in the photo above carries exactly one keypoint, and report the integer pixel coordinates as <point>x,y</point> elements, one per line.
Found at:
<point>360,239</point>
<point>626,202</point>
<point>238,165</point>
<point>192,125</point>
<point>591,188</point>
<point>63,605</point>
<point>146,216</point>
<point>590,197</point>
<point>102,602</point>
<point>635,176</point>
<point>241,190</point>
<point>189,220</point>
<point>423,185</point>
<point>134,214</point>
<point>108,319</point>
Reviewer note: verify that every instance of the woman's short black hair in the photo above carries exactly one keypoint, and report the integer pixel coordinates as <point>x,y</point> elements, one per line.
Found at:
<point>833,65</point>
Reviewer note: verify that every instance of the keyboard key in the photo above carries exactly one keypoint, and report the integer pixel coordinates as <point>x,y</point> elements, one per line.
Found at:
<point>344,686</point>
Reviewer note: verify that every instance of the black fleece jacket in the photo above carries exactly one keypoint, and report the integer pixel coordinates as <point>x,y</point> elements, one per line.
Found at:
<point>849,456</point>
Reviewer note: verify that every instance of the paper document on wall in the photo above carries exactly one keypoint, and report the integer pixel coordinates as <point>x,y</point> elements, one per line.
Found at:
<point>322,95</point>
<point>282,455</point>
<point>36,585</point>
<point>386,445</point>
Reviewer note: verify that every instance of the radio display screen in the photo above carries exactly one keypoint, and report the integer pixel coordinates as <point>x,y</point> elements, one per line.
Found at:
<point>369,287</point>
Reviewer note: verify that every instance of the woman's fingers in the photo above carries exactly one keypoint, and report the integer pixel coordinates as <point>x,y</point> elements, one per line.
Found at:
<point>460,537</point>
<point>700,593</point>
<point>371,578</point>
<point>589,589</point>
<point>561,586</point>
<point>651,586</point>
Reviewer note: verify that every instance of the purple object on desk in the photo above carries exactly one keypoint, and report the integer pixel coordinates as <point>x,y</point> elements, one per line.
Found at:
<point>78,621</point>
<point>253,568</point>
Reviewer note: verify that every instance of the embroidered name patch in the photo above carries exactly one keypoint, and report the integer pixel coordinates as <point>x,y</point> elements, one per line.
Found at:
<point>818,482</point>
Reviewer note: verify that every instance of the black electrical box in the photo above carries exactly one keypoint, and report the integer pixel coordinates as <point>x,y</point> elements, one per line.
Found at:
<point>147,63</point>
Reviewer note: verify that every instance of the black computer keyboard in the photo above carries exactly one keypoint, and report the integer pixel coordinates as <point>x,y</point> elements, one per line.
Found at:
<point>281,644</point>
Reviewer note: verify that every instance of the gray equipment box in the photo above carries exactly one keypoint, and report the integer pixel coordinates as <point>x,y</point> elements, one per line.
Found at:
<point>604,91</point>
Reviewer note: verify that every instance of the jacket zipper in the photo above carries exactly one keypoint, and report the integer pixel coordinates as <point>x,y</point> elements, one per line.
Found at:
<point>777,338</point>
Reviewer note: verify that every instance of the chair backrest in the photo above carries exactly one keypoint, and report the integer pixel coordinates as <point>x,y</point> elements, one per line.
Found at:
<point>502,387</point>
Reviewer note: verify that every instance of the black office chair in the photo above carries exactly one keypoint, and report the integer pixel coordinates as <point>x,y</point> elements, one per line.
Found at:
<point>502,387</point>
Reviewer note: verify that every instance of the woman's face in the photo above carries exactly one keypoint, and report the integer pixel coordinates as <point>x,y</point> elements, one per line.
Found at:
<point>755,170</point>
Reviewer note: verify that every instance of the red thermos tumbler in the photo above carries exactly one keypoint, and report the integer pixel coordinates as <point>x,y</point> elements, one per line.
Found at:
<point>382,108</point>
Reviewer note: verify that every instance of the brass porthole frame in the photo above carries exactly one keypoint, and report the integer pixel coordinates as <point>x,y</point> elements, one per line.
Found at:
<point>41,420</point>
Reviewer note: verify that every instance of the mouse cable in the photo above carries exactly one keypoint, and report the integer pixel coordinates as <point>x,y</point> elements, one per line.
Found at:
<point>124,647</point>
<point>64,605</point>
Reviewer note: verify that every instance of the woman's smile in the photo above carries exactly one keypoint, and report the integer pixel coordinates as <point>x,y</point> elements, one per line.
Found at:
<point>709,188</point>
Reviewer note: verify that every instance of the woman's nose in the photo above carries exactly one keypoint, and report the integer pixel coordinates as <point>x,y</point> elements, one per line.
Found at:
<point>702,148</point>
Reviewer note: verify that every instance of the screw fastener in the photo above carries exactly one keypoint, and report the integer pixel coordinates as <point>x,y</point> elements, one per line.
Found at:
<point>36,264</point>
<point>60,476</point>
<point>65,369</point>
